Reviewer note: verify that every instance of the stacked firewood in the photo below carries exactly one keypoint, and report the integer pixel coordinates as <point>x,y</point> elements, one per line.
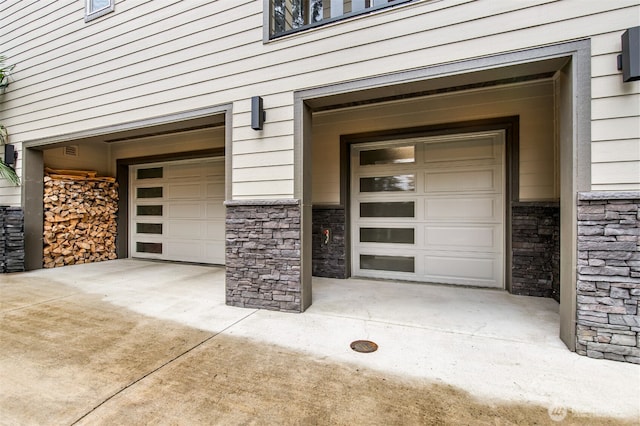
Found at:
<point>79,217</point>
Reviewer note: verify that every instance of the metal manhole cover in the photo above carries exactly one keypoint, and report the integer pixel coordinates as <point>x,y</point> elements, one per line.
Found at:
<point>364,346</point>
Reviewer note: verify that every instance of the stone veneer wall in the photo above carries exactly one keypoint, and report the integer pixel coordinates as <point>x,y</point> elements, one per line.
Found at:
<point>329,259</point>
<point>263,257</point>
<point>535,247</point>
<point>608,275</point>
<point>11,239</point>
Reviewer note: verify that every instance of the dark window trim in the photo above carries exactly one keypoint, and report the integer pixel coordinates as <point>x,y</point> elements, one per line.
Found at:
<point>330,20</point>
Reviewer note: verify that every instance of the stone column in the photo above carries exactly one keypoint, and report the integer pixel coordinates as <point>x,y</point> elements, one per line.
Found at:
<point>608,275</point>
<point>263,254</point>
<point>11,239</point>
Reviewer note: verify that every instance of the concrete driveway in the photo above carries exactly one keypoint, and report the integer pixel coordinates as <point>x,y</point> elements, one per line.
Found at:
<point>136,342</point>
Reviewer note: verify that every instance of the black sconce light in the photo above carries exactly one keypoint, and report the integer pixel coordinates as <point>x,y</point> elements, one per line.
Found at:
<point>629,60</point>
<point>258,113</point>
<point>10,155</point>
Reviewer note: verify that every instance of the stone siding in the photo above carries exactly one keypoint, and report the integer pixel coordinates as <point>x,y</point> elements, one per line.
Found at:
<point>263,256</point>
<point>608,287</point>
<point>535,245</point>
<point>11,239</point>
<point>329,259</point>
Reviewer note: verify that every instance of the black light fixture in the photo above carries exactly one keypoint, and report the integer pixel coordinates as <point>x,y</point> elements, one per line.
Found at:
<point>257,113</point>
<point>629,60</point>
<point>10,155</point>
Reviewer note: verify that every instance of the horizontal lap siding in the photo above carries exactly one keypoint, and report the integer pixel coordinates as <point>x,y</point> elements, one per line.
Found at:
<point>153,58</point>
<point>615,125</point>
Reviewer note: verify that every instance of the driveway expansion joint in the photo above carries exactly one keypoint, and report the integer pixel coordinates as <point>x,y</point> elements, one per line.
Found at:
<point>39,303</point>
<point>155,370</point>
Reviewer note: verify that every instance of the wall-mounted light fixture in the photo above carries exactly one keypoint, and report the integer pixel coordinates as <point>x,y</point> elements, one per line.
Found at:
<point>629,60</point>
<point>10,155</point>
<point>258,113</point>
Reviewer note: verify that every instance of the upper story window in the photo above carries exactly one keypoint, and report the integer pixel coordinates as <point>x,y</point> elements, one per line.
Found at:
<point>287,16</point>
<point>97,8</point>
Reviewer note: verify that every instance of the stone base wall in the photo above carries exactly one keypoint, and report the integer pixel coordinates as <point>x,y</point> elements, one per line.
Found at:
<point>608,275</point>
<point>263,257</point>
<point>11,239</point>
<point>535,242</point>
<point>329,260</point>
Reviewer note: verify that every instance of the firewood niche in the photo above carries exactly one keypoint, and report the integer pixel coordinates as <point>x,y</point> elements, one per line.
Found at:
<point>80,211</point>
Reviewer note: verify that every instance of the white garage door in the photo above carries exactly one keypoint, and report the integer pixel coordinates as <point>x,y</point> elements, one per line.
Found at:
<point>177,211</point>
<point>430,209</point>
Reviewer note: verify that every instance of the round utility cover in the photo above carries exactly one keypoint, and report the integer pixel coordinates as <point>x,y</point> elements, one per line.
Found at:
<point>364,346</point>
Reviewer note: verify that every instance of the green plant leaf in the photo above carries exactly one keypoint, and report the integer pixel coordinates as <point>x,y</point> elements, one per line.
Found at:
<point>9,174</point>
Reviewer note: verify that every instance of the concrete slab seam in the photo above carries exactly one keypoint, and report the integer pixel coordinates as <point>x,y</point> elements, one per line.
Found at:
<point>110,397</point>
<point>39,303</point>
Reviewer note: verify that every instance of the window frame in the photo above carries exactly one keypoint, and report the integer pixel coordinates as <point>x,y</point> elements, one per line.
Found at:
<point>90,15</point>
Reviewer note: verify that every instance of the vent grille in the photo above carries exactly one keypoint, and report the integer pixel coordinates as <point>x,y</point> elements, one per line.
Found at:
<point>70,151</point>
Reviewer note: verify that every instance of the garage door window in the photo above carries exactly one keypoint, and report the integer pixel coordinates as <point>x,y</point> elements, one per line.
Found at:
<point>388,183</point>
<point>155,192</point>
<point>149,228</point>
<point>153,248</point>
<point>392,209</point>
<point>394,155</point>
<point>388,263</point>
<point>149,210</point>
<point>150,173</point>
<point>387,235</point>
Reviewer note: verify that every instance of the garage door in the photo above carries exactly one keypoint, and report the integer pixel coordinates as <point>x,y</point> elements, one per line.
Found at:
<point>430,209</point>
<point>177,211</point>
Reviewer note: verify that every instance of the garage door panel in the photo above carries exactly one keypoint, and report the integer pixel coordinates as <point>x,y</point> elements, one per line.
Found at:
<point>187,170</point>
<point>464,208</point>
<point>461,180</point>
<point>215,252</point>
<point>214,189</point>
<point>464,238</point>
<point>194,230</point>
<point>215,209</point>
<point>185,250</point>
<point>466,149</point>
<point>190,210</point>
<point>184,190</point>
<point>215,230</point>
<point>461,269</point>
<point>215,171</point>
